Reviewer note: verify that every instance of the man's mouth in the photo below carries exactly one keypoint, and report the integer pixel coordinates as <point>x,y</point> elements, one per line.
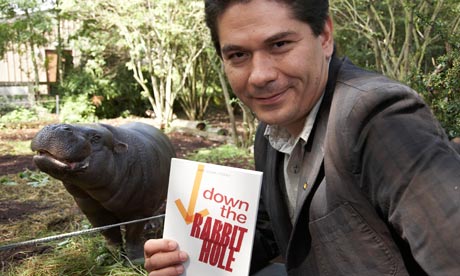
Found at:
<point>271,99</point>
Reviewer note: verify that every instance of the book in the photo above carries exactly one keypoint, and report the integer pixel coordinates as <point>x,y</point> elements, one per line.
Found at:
<point>211,211</point>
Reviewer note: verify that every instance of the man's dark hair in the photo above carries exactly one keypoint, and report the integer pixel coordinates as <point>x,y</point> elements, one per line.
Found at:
<point>312,12</point>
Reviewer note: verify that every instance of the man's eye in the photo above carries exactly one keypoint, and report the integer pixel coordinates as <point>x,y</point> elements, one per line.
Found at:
<point>280,44</point>
<point>236,56</point>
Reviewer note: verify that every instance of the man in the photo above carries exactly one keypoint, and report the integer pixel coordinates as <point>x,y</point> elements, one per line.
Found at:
<point>359,178</point>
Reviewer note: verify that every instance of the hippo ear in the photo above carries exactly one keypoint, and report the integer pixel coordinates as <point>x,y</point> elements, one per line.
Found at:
<point>120,147</point>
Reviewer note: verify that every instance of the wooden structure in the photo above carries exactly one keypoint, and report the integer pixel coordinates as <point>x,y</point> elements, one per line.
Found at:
<point>16,68</point>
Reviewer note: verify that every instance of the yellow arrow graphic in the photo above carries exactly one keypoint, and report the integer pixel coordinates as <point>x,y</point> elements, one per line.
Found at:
<point>189,214</point>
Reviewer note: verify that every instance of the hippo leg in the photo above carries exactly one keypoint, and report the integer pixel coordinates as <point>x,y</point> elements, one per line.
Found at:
<point>134,242</point>
<point>99,216</point>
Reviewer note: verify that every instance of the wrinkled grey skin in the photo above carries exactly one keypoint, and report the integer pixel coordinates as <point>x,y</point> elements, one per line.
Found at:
<point>115,174</point>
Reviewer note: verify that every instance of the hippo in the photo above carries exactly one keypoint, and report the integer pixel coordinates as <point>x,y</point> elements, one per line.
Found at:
<point>115,174</point>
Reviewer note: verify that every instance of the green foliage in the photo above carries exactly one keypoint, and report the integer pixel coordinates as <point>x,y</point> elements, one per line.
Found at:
<point>77,109</point>
<point>25,22</point>
<point>25,28</point>
<point>80,82</point>
<point>5,180</point>
<point>32,178</point>
<point>158,41</point>
<point>101,95</point>
<point>23,116</point>
<point>125,99</point>
<point>84,255</point>
<point>200,87</point>
<point>6,104</point>
<point>20,114</point>
<point>77,89</point>
<point>224,152</point>
<point>441,90</point>
<point>395,37</point>
<point>35,178</point>
<point>102,74</point>
<point>416,42</point>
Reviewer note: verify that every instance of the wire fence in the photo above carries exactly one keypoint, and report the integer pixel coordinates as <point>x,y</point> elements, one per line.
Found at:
<point>76,233</point>
<point>21,101</point>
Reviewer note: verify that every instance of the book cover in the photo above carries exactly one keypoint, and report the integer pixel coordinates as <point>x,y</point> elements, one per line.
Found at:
<point>211,211</point>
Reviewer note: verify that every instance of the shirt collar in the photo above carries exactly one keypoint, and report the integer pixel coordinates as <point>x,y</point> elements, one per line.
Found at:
<point>280,139</point>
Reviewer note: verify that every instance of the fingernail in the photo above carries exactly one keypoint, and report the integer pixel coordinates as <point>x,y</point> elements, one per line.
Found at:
<point>180,269</point>
<point>183,256</point>
<point>172,245</point>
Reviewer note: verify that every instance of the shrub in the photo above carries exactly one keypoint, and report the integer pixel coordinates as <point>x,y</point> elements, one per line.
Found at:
<point>233,155</point>
<point>21,116</point>
<point>442,92</point>
<point>77,109</point>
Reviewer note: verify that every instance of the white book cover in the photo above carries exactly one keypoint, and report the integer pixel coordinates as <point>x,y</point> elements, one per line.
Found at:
<point>211,211</point>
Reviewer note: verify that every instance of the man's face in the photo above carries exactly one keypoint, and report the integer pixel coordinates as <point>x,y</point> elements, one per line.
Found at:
<point>274,62</point>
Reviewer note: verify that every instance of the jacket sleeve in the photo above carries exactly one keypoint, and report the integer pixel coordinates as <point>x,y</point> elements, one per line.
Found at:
<point>410,172</point>
<point>264,248</point>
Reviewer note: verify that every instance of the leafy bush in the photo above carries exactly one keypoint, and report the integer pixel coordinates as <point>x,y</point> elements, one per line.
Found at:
<point>441,90</point>
<point>112,94</point>
<point>22,116</point>
<point>224,152</point>
<point>77,109</point>
<point>5,106</point>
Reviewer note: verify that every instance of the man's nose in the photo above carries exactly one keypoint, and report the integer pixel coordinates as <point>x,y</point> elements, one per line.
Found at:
<point>263,70</point>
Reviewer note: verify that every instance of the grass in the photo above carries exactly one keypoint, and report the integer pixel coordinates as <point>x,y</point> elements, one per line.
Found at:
<point>52,211</point>
<point>15,147</point>
<point>77,256</point>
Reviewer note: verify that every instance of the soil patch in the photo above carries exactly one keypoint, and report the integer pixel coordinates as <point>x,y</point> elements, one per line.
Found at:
<point>13,211</point>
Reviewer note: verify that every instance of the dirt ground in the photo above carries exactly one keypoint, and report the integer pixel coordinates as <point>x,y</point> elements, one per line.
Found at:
<point>185,142</point>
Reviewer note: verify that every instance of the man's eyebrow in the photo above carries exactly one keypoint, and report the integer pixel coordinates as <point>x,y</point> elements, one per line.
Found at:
<point>278,36</point>
<point>230,48</point>
<point>269,40</point>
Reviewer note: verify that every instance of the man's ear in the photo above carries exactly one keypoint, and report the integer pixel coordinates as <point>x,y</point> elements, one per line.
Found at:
<point>327,38</point>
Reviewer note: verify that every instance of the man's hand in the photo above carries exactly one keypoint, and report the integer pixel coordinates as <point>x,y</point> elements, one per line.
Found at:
<point>162,257</point>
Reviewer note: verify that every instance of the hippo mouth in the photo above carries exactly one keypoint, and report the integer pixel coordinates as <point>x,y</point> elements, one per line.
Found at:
<point>46,158</point>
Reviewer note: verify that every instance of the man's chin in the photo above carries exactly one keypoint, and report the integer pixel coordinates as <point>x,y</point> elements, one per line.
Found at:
<point>272,117</point>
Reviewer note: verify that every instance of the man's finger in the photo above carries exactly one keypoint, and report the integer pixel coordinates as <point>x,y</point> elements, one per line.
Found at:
<point>153,246</point>
<point>163,260</point>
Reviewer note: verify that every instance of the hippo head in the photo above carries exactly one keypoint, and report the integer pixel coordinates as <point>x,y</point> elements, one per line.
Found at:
<point>64,149</point>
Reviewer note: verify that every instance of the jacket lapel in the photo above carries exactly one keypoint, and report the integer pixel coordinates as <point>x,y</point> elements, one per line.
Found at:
<point>270,162</point>
<point>276,204</point>
<point>314,149</point>
<point>314,157</point>
<point>299,242</point>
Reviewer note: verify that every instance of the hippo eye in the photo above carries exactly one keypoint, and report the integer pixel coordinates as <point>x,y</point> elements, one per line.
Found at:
<point>95,139</point>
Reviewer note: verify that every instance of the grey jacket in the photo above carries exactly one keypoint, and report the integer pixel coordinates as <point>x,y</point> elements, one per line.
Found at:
<point>383,187</point>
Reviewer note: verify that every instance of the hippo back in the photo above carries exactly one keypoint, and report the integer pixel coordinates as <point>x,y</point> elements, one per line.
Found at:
<point>149,154</point>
